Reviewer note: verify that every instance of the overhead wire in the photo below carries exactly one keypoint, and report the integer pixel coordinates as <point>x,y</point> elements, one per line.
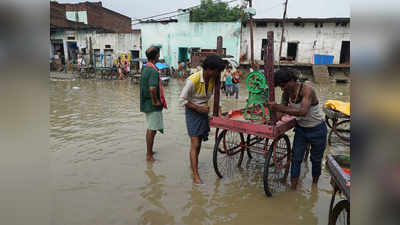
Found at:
<point>172,12</point>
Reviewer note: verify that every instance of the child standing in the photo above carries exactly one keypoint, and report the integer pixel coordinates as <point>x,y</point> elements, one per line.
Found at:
<point>228,82</point>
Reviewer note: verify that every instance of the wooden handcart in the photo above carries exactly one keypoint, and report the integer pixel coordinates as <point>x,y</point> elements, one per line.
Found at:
<point>339,124</point>
<point>340,181</point>
<point>236,134</point>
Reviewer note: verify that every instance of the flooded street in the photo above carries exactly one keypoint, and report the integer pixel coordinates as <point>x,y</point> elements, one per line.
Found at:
<point>100,176</point>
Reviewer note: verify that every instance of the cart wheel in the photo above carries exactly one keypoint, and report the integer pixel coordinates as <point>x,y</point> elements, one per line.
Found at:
<point>341,213</point>
<point>329,121</point>
<point>228,152</point>
<point>248,145</point>
<point>342,130</point>
<point>276,165</point>
<point>329,137</point>
<point>257,144</point>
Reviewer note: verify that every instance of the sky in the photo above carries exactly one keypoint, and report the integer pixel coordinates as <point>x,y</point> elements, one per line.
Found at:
<point>137,9</point>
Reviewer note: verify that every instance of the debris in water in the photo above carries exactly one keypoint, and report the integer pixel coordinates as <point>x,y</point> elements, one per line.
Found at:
<point>76,88</point>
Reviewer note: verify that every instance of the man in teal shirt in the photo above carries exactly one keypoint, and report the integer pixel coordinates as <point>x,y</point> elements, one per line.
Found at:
<point>150,101</point>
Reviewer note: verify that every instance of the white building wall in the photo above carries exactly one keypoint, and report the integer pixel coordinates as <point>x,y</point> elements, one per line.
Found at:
<point>328,40</point>
<point>120,42</point>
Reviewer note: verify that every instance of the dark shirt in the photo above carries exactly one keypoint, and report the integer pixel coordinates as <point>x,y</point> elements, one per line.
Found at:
<point>149,78</point>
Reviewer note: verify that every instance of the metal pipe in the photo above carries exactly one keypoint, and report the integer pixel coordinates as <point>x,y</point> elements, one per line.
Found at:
<point>217,85</point>
<point>283,31</point>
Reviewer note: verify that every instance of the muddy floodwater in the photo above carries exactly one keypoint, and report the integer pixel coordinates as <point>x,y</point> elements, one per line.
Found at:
<point>100,177</point>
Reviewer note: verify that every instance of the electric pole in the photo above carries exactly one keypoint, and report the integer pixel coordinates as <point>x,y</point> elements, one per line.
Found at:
<point>251,37</point>
<point>283,31</point>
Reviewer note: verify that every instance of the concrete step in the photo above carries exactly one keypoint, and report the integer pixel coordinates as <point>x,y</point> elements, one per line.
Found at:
<point>342,78</point>
<point>321,74</point>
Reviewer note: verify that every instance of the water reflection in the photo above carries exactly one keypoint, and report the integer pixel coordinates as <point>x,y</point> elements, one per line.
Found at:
<point>153,192</point>
<point>196,207</point>
<point>97,142</point>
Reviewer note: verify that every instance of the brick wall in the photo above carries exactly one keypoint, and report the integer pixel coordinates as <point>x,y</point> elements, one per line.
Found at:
<point>57,14</point>
<point>103,18</point>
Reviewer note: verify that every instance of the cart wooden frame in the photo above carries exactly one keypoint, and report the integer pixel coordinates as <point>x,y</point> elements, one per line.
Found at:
<point>230,143</point>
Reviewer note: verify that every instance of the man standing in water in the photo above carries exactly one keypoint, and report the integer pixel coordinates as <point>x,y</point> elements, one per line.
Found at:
<point>152,100</point>
<point>194,97</point>
<point>301,100</point>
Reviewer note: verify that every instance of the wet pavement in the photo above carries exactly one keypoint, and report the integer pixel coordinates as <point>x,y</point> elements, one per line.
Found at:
<point>101,177</point>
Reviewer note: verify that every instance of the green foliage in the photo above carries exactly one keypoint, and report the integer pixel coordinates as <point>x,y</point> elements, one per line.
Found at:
<point>210,11</point>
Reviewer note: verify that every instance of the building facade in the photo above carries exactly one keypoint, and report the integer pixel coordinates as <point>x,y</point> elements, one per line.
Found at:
<point>178,39</point>
<point>79,28</point>
<point>303,39</point>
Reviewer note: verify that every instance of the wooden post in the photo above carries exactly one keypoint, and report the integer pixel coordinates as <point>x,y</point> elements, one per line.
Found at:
<point>90,52</point>
<point>217,85</point>
<point>269,69</point>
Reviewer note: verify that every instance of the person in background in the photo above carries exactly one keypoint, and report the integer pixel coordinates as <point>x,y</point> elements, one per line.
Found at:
<point>228,82</point>
<point>194,97</point>
<point>301,100</point>
<point>236,82</point>
<point>119,68</point>
<point>81,63</point>
<point>223,78</point>
<point>180,69</point>
<point>152,100</point>
<point>173,72</point>
<point>127,67</point>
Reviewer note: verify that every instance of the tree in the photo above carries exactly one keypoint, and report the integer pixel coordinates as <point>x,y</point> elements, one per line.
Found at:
<point>210,11</point>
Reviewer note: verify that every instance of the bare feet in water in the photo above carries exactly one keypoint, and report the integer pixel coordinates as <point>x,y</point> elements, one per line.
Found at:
<point>197,180</point>
<point>150,158</point>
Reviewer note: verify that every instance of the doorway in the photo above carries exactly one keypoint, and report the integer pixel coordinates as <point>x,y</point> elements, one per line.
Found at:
<point>58,50</point>
<point>135,64</point>
<point>72,51</point>
<point>345,53</point>
<point>108,57</point>
<point>292,51</point>
<point>183,54</point>
<point>134,54</point>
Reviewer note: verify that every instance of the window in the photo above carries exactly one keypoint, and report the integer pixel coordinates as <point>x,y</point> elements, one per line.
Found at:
<point>71,38</point>
<point>107,46</point>
<point>263,45</point>
<point>292,51</point>
<point>299,24</point>
<point>134,54</point>
<point>77,16</point>
<point>316,25</point>
<point>261,24</point>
